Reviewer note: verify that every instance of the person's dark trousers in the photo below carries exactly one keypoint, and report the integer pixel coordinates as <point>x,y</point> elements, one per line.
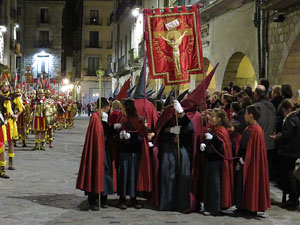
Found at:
<point>291,185</point>
<point>271,154</point>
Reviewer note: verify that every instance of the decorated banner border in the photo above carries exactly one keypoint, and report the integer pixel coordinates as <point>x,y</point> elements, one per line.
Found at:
<point>165,75</point>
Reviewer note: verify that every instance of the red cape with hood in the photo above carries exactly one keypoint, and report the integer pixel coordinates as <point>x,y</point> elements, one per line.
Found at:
<point>91,172</point>
<point>227,173</point>
<point>256,188</point>
<point>144,183</point>
<point>147,110</point>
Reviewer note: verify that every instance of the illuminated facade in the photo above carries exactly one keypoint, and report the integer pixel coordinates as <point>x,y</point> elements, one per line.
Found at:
<point>94,48</point>
<point>8,35</point>
<point>41,35</point>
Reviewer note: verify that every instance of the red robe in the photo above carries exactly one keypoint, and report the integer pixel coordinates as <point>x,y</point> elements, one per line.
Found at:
<point>256,189</point>
<point>227,172</point>
<point>147,110</point>
<point>114,117</point>
<point>91,172</point>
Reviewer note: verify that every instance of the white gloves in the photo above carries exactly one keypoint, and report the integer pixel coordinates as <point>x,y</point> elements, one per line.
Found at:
<point>208,136</point>
<point>104,117</point>
<point>117,126</point>
<point>241,161</point>
<point>150,144</point>
<point>202,147</point>
<point>124,135</point>
<point>175,130</point>
<point>177,106</point>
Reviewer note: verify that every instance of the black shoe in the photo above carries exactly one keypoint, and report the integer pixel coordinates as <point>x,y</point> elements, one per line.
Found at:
<point>290,204</point>
<point>3,175</point>
<point>94,208</point>
<point>24,145</point>
<point>121,205</point>
<point>104,202</point>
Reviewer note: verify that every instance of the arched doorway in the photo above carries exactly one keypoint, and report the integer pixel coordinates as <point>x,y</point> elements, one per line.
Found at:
<point>291,70</point>
<point>240,71</point>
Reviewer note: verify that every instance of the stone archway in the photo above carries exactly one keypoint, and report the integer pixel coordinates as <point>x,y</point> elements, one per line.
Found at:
<point>240,71</point>
<point>291,69</point>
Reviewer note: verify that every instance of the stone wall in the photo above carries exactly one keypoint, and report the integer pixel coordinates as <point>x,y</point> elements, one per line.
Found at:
<point>284,50</point>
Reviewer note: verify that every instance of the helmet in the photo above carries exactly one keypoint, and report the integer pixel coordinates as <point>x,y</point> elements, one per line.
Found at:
<point>18,91</point>
<point>40,91</point>
<point>4,83</point>
<point>48,92</point>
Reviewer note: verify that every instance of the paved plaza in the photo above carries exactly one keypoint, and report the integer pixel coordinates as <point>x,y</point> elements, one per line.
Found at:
<point>42,191</point>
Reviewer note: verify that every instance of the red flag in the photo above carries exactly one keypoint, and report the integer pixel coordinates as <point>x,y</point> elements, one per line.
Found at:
<point>53,81</point>
<point>199,94</point>
<point>123,92</point>
<point>32,79</point>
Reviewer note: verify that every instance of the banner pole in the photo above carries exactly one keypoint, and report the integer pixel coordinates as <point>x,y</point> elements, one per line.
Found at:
<point>177,136</point>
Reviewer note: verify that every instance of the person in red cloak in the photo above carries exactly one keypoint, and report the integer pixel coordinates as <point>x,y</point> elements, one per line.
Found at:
<point>134,170</point>
<point>253,190</point>
<point>95,172</point>
<point>218,187</point>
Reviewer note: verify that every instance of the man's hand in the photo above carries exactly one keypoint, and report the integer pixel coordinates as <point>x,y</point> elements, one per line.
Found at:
<point>202,147</point>
<point>208,136</point>
<point>175,130</point>
<point>117,126</point>
<point>177,106</point>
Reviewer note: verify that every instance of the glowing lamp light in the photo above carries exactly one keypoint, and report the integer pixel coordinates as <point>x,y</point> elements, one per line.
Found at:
<point>17,26</point>
<point>66,81</point>
<point>71,86</point>
<point>136,12</point>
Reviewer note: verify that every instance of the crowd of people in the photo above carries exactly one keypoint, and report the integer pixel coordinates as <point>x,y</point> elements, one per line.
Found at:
<point>198,152</point>
<point>37,112</point>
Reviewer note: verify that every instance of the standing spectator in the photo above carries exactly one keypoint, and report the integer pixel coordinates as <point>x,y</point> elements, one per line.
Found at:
<point>276,96</point>
<point>235,90</point>
<point>89,108</point>
<point>288,141</point>
<point>267,121</point>
<point>79,108</point>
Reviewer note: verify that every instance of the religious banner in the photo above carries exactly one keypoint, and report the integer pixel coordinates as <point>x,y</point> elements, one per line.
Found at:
<point>173,40</point>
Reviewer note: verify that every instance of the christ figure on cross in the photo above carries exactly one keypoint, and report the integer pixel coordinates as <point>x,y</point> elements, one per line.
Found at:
<point>174,40</point>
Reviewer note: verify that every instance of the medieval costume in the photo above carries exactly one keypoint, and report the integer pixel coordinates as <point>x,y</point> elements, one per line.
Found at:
<point>3,137</point>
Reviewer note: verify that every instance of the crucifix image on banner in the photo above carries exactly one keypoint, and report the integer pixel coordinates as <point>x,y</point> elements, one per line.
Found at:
<point>173,40</point>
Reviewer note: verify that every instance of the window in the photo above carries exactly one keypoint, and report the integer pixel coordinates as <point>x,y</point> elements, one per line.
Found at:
<point>93,65</point>
<point>18,63</point>
<point>18,37</point>
<point>44,38</point>
<point>44,15</point>
<point>94,17</point>
<point>94,39</point>
<point>19,11</point>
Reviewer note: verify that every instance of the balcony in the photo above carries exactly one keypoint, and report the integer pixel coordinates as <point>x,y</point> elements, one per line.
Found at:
<point>93,21</point>
<point>108,45</point>
<point>133,56</point>
<point>44,44</point>
<point>89,44</point>
<point>123,67</point>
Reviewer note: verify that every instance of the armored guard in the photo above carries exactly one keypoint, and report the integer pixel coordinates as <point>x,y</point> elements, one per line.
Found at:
<point>14,108</point>
<point>39,127</point>
<point>51,116</point>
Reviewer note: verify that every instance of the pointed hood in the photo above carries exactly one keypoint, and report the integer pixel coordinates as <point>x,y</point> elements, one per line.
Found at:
<point>140,90</point>
<point>116,92</point>
<point>160,92</point>
<point>123,92</point>
<point>198,96</point>
<point>129,93</point>
<point>150,93</point>
<point>168,99</point>
<point>182,95</point>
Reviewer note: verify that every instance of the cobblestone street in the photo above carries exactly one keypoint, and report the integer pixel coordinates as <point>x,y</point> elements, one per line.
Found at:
<point>42,191</point>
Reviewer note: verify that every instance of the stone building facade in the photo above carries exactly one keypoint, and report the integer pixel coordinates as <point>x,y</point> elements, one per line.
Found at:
<point>8,31</point>
<point>41,35</point>
<point>94,48</point>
